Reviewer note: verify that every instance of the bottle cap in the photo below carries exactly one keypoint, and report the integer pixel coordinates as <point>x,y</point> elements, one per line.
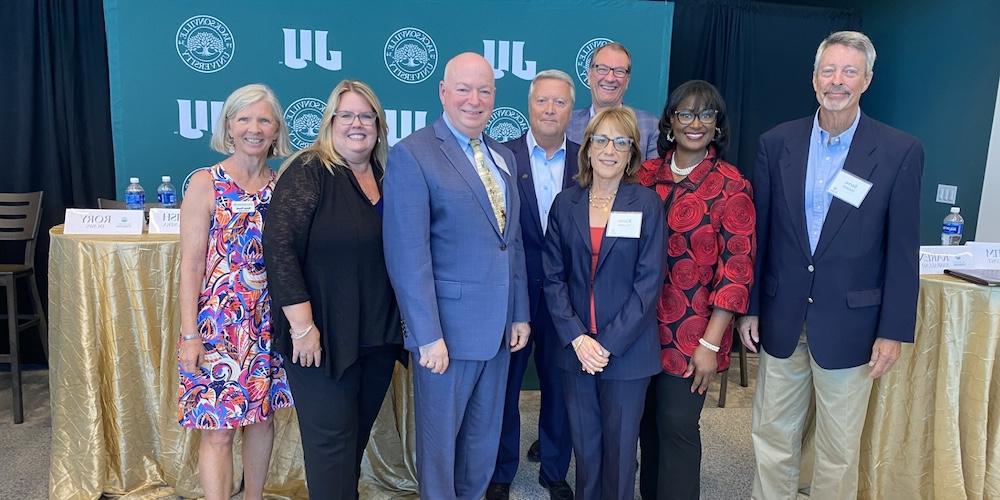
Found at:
<point>133,180</point>
<point>165,178</point>
<point>956,210</point>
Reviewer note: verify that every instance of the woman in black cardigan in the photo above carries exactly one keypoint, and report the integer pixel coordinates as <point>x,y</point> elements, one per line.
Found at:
<point>336,320</point>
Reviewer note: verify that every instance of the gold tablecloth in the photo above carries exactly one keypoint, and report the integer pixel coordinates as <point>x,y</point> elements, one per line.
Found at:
<point>113,382</point>
<point>933,428</point>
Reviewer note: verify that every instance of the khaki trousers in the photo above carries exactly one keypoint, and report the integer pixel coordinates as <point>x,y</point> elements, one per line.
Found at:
<point>786,389</point>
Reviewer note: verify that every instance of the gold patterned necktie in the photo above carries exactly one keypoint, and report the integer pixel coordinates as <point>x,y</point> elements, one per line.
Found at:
<point>492,188</point>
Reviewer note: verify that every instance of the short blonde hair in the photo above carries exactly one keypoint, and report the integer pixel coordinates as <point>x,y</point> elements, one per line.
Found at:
<point>238,101</point>
<point>625,119</point>
<point>322,149</point>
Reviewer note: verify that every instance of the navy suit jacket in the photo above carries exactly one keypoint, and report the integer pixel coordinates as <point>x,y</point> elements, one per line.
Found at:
<point>863,279</point>
<point>630,274</point>
<point>531,224</point>
<point>456,275</point>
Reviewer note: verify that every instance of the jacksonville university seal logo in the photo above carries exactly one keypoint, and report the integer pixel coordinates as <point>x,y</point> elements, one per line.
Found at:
<point>506,124</point>
<point>205,44</point>
<point>410,55</point>
<point>584,55</point>
<point>303,118</point>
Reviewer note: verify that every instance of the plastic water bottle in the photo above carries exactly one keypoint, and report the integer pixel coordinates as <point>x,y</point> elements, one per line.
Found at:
<point>166,194</point>
<point>135,196</point>
<point>951,230</point>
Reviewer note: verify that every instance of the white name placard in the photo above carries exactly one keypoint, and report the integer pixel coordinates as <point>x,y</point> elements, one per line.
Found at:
<point>934,259</point>
<point>987,254</point>
<point>164,221</point>
<point>83,221</point>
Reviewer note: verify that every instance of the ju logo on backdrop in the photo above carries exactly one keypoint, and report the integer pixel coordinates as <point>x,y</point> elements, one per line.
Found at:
<point>584,55</point>
<point>506,124</point>
<point>303,118</point>
<point>410,55</point>
<point>505,56</point>
<point>403,122</point>
<point>205,44</point>
<point>309,44</point>
<point>193,118</point>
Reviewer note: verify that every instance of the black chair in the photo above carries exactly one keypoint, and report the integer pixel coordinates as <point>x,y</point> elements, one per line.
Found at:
<point>19,213</point>
<point>724,382</point>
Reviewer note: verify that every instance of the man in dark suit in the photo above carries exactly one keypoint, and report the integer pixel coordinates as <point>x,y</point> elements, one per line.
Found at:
<point>546,163</point>
<point>837,198</point>
<point>608,77</point>
<point>454,254</point>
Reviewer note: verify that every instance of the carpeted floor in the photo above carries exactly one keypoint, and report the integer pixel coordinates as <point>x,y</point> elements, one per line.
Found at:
<point>727,463</point>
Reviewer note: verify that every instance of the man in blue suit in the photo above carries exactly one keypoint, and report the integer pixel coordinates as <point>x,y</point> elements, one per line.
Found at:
<point>608,77</point>
<point>546,163</point>
<point>454,254</point>
<point>837,198</point>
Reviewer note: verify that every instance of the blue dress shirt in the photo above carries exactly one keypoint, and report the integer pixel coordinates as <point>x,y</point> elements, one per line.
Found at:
<point>547,175</point>
<point>466,146</point>
<point>826,159</point>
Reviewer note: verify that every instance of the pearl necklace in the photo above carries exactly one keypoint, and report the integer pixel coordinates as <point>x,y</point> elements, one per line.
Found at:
<point>683,172</point>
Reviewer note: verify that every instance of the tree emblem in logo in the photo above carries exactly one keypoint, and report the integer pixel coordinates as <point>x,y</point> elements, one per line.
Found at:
<point>584,55</point>
<point>410,55</point>
<point>205,44</point>
<point>304,117</point>
<point>506,124</point>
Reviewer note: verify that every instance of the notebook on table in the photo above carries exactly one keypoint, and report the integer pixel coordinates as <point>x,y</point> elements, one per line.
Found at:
<point>988,277</point>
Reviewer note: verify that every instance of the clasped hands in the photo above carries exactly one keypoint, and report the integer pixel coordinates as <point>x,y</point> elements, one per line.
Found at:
<point>592,355</point>
<point>434,356</point>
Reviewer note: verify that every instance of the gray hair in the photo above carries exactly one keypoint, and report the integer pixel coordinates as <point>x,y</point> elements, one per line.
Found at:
<point>554,74</point>
<point>238,101</point>
<point>853,39</point>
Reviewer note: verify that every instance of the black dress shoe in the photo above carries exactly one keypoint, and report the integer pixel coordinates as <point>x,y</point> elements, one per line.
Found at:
<point>558,490</point>
<point>533,454</point>
<point>498,491</point>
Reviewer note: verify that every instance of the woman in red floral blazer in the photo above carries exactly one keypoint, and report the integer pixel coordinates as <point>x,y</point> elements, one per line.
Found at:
<point>711,222</point>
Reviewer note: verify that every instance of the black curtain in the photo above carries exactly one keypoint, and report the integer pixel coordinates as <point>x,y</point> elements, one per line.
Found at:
<point>57,118</point>
<point>759,56</point>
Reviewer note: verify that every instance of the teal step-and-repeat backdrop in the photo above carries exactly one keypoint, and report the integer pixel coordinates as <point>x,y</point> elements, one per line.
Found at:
<point>172,64</point>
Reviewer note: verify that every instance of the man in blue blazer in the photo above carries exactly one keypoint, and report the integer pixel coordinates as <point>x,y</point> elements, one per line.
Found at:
<point>837,198</point>
<point>608,78</point>
<point>546,164</point>
<point>454,254</point>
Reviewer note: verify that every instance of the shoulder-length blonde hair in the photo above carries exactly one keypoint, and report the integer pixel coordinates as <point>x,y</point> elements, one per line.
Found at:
<point>238,101</point>
<point>624,118</point>
<point>323,149</point>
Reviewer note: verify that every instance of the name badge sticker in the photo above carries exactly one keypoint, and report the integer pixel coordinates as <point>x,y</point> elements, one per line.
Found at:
<point>624,224</point>
<point>849,188</point>
<point>243,206</point>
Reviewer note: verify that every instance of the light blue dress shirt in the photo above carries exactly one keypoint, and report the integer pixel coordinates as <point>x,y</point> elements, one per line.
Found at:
<point>826,159</point>
<point>546,175</point>
<point>466,146</point>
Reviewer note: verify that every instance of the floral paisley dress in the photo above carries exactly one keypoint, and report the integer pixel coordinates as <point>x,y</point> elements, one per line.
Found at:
<point>241,380</point>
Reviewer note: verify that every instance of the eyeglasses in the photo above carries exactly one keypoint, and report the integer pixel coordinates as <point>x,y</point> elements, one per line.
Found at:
<point>347,117</point>
<point>600,141</point>
<point>603,70</point>
<point>705,116</point>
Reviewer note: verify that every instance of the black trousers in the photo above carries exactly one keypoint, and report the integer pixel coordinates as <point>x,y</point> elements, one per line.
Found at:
<point>670,438</point>
<point>336,418</point>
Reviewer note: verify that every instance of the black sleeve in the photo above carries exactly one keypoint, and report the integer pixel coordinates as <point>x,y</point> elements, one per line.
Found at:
<point>286,230</point>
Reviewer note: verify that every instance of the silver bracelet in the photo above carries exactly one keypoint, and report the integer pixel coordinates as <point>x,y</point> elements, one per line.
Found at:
<point>190,336</point>
<point>298,335</point>
<point>708,345</point>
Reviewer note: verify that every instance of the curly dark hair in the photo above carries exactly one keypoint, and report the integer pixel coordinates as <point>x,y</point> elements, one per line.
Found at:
<point>705,97</point>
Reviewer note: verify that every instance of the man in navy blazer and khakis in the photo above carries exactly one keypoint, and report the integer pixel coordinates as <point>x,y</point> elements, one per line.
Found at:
<point>454,254</point>
<point>837,199</point>
<point>546,164</point>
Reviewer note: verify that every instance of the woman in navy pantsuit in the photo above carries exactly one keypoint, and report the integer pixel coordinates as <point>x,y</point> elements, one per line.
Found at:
<point>604,268</point>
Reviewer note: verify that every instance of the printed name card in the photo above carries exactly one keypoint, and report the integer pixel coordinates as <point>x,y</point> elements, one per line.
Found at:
<point>83,221</point>
<point>987,254</point>
<point>934,259</point>
<point>164,221</point>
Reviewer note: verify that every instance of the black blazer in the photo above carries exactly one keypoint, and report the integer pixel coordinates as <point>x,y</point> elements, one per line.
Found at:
<point>531,225</point>
<point>630,274</point>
